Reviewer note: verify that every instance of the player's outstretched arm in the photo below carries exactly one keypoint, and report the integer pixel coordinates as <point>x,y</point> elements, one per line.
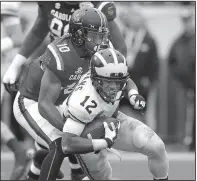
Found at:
<point>49,92</point>
<point>31,42</point>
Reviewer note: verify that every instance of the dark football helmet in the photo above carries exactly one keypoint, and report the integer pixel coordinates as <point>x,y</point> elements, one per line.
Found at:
<point>89,27</point>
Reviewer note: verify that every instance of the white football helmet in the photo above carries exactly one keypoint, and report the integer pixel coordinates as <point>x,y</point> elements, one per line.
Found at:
<point>109,74</point>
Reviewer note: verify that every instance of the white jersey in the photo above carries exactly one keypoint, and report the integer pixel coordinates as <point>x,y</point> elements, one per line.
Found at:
<point>84,103</point>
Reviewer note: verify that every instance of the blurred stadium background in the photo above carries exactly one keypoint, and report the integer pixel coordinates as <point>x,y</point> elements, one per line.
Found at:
<point>172,123</point>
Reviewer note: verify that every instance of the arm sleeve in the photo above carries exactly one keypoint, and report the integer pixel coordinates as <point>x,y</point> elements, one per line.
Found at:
<point>53,60</point>
<point>37,33</point>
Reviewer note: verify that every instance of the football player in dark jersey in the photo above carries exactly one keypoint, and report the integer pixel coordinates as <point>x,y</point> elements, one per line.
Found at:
<point>64,60</point>
<point>53,18</point>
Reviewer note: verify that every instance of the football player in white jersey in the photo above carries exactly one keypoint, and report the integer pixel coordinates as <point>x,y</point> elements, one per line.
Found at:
<point>98,94</point>
<point>11,36</point>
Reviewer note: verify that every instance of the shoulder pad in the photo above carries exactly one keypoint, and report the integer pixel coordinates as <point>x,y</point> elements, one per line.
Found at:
<point>10,8</point>
<point>108,8</point>
<point>58,48</point>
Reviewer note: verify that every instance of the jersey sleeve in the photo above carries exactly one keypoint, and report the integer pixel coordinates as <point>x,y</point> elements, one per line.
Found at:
<point>108,8</point>
<point>54,61</point>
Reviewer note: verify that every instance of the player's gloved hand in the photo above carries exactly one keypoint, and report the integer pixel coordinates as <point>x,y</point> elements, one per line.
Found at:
<point>110,135</point>
<point>11,88</point>
<point>137,101</point>
<point>13,72</point>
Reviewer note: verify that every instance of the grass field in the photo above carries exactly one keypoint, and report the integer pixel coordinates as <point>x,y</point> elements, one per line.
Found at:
<point>132,167</point>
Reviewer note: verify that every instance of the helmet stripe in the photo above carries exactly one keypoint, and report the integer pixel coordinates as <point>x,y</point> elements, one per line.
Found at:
<point>105,23</point>
<point>101,58</point>
<point>100,15</point>
<point>110,44</point>
<point>124,60</point>
<point>114,55</point>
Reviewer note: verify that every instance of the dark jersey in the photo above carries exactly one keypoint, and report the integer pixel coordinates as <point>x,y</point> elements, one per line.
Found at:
<point>58,14</point>
<point>64,60</point>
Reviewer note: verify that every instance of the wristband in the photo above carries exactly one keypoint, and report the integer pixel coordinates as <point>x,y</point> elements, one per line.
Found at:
<point>132,92</point>
<point>99,144</point>
<point>109,142</point>
<point>19,60</point>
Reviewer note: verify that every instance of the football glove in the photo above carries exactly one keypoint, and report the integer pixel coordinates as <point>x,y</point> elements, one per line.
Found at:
<point>11,88</point>
<point>13,72</point>
<point>110,135</point>
<point>137,101</point>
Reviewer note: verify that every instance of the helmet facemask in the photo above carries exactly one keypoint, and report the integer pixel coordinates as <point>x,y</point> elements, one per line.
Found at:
<point>94,40</point>
<point>109,74</point>
<point>110,89</point>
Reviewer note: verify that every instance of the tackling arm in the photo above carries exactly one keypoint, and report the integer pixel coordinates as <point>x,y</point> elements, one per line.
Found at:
<point>49,92</point>
<point>73,143</point>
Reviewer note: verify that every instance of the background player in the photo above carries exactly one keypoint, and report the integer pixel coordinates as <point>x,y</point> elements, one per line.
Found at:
<point>11,37</point>
<point>53,18</point>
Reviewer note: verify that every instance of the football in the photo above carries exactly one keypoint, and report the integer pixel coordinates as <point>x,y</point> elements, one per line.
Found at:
<point>96,127</point>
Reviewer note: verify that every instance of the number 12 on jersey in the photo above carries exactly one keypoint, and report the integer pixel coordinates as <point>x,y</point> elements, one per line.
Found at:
<point>88,106</point>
